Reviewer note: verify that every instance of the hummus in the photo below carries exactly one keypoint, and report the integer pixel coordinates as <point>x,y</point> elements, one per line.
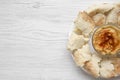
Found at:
<point>106,40</point>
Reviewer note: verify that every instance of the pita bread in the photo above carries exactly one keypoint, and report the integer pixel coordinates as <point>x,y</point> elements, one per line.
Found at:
<point>76,41</point>
<point>92,66</point>
<point>103,8</point>
<point>112,17</point>
<point>84,23</point>
<point>82,55</point>
<point>107,69</point>
<point>99,19</point>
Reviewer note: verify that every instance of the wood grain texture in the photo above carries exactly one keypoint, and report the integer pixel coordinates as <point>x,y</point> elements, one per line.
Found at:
<point>33,38</point>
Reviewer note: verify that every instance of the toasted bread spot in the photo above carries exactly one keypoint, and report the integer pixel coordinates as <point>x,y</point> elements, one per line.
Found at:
<point>99,19</point>
<point>116,62</point>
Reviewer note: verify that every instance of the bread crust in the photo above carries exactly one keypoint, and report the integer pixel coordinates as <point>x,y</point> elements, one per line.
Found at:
<point>102,8</point>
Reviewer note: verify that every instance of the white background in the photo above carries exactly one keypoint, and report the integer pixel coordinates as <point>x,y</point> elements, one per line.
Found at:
<point>33,39</point>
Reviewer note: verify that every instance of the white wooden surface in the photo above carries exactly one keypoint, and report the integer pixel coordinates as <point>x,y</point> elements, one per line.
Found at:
<point>33,38</point>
